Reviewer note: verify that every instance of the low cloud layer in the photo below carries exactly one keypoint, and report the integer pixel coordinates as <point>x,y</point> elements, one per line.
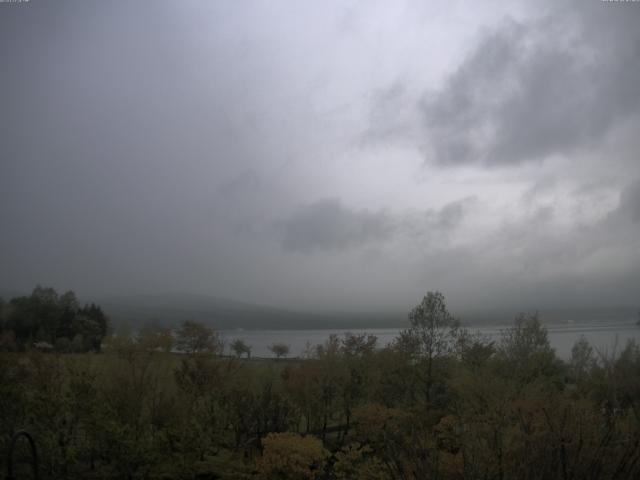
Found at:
<point>327,225</point>
<point>333,157</point>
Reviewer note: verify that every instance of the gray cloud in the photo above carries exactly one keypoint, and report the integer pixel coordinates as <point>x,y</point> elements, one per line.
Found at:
<point>433,226</point>
<point>630,202</point>
<point>578,252</point>
<point>532,263</point>
<point>391,117</point>
<point>452,214</point>
<point>327,225</point>
<point>529,89</point>
<point>217,148</point>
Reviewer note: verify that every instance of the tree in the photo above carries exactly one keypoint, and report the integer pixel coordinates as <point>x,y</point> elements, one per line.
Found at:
<point>582,359</point>
<point>354,345</point>
<point>45,316</point>
<point>356,352</point>
<point>289,456</point>
<point>62,345</point>
<point>91,331</point>
<point>432,334</point>
<point>240,348</point>
<point>474,350</point>
<point>77,344</point>
<point>355,461</point>
<point>153,338</point>
<point>3,307</point>
<point>8,341</point>
<point>194,337</point>
<point>525,350</point>
<point>97,324</point>
<point>279,349</point>
<point>121,340</point>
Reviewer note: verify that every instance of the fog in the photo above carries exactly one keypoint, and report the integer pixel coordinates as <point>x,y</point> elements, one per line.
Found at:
<point>323,155</point>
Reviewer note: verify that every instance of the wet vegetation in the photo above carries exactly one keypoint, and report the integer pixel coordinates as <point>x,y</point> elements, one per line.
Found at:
<point>439,402</point>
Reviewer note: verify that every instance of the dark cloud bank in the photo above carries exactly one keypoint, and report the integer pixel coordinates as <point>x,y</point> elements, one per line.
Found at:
<point>212,149</point>
<point>328,225</point>
<point>529,89</point>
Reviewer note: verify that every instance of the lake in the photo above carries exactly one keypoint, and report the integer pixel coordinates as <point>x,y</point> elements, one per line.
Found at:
<point>606,337</point>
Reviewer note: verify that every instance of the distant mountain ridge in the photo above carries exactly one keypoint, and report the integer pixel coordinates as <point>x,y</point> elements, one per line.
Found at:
<point>222,313</point>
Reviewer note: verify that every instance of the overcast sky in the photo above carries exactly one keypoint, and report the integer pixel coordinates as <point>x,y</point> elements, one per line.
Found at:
<point>323,155</point>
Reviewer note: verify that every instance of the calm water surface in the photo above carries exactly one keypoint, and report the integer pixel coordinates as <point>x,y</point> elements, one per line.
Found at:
<point>605,337</point>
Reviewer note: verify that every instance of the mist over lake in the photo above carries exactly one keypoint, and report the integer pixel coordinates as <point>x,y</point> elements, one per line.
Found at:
<point>606,338</point>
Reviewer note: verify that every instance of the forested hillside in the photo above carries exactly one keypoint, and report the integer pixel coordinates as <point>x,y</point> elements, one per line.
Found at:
<point>437,403</point>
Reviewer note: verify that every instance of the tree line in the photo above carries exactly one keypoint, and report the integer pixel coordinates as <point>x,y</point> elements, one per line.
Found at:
<point>51,321</point>
<point>47,321</point>
<point>438,402</point>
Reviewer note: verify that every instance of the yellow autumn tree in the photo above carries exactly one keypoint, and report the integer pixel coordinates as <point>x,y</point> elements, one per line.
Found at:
<point>289,456</point>
<point>355,462</point>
